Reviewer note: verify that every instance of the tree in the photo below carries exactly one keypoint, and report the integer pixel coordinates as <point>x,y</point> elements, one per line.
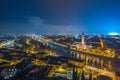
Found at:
<point>83,75</point>
<point>75,75</point>
<point>90,77</point>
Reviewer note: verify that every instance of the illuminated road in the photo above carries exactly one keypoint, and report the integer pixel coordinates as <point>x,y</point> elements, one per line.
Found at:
<point>102,72</point>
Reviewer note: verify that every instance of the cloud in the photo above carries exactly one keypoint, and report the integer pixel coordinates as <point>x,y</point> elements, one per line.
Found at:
<point>51,28</point>
<point>35,24</point>
<point>62,28</point>
<point>35,20</point>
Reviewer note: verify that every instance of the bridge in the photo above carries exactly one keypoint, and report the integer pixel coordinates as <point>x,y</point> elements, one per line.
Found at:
<point>45,40</point>
<point>97,63</point>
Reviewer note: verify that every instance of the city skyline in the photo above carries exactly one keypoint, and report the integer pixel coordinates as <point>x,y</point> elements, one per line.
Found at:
<point>60,16</point>
<point>59,40</point>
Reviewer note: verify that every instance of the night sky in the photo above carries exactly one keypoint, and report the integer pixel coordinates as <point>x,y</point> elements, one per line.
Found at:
<point>60,16</point>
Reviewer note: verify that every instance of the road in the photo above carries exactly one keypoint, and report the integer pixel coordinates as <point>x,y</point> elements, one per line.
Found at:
<point>112,75</point>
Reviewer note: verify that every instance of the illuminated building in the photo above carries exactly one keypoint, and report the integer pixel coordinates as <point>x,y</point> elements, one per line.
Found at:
<point>81,45</point>
<point>9,72</point>
<point>82,39</point>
